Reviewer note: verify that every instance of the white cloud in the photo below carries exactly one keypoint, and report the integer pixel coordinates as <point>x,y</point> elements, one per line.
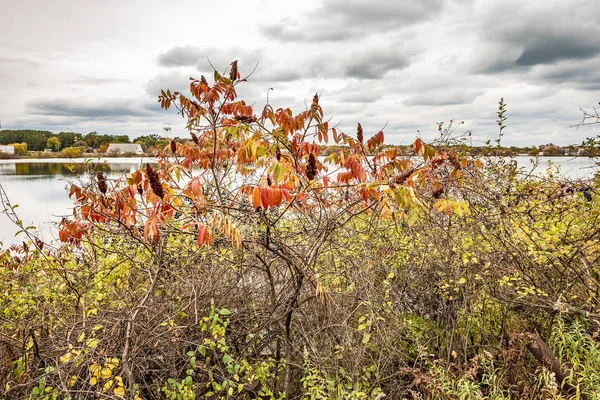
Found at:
<point>100,65</point>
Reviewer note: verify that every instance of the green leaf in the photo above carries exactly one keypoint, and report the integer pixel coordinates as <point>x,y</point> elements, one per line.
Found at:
<point>366,338</point>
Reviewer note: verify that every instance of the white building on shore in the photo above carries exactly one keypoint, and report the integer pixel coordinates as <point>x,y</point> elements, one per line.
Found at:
<point>120,148</point>
<point>7,149</point>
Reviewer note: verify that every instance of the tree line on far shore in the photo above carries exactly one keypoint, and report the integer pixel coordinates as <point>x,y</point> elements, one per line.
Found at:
<point>26,140</point>
<point>37,140</point>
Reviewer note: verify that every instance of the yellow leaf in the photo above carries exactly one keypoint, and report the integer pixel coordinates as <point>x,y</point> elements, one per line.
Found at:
<point>91,343</point>
<point>65,358</point>
<point>106,373</point>
<point>95,369</point>
<point>93,380</point>
<point>81,337</point>
<point>462,280</point>
<point>120,391</point>
<point>72,381</point>
<point>454,355</point>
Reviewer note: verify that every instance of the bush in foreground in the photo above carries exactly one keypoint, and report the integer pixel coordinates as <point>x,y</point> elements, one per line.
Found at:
<point>247,267</point>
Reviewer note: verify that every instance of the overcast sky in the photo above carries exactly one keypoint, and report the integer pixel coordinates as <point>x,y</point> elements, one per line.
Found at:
<point>99,65</point>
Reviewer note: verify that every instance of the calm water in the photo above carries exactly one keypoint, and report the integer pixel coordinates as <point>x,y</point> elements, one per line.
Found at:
<point>39,186</point>
<point>39,189</point>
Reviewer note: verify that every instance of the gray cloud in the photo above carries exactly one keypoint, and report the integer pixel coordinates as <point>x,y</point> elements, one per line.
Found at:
<point>549,49</point>
<point>176,81</point>
<point>180,56</point>
<point>374,61</point>
<point>444,97</point>
<point>202,58</point>
<point>338,20</point>
<point>374,64</point>
<point>529,36</point>
<point>582,74</point>
<point>288,31</point>
<point>84,109</point>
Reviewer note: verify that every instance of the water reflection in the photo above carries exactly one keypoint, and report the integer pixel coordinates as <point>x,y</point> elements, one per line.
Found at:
<point>40,190</point>
<point>66,169</point>
<point>39,187</point>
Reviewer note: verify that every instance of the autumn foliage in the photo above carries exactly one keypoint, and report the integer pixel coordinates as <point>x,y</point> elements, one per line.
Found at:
<point>244,264</point>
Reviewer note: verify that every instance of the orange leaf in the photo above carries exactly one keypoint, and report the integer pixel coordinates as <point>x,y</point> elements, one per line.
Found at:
<point>201,234</point>
<point>419,146</point>
<point>344,176</point>
<point>286,195</point>
<point>264,197</point>
<point>256,197</point>
<point>277,196</point>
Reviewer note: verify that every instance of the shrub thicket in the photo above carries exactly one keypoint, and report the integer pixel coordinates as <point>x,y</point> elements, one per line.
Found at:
<point>246,267</point>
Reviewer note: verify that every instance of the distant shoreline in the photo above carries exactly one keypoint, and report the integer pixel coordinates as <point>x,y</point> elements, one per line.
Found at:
<point>59,155</point>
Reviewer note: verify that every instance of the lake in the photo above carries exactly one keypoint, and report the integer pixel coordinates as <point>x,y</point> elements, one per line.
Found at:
<point>39,186</point>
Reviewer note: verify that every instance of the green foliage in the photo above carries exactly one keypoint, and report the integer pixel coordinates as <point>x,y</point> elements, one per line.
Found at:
<point>225,375</point>
<point>40,140</point>
<point>53,143</point>
<point>68,139</point>
<point>580,352</point>
<point>35,140</point>
<point>340,386</point>
<point>488,385</point>
<point>148,142</point>
<point>43,392</point>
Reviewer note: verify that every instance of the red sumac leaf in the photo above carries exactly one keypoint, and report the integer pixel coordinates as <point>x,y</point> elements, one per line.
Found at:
<point>202,231</point>
<point>264,197</point>
<point>286,195</point>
